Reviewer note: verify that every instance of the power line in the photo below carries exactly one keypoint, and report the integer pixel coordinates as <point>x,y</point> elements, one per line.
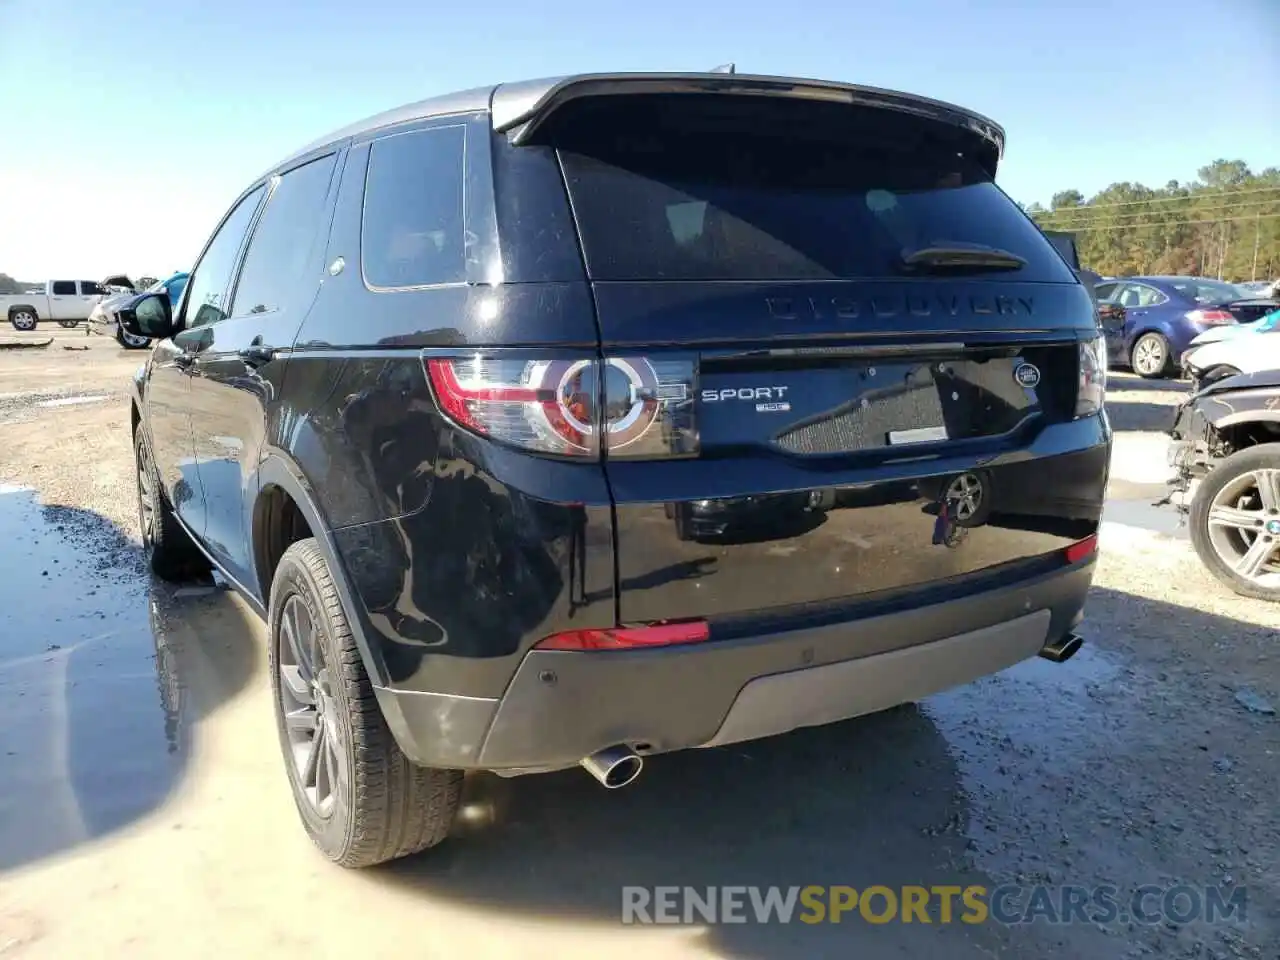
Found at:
<point>1082,215</point>
<point>1201,195</point>
<point>1178,223</point>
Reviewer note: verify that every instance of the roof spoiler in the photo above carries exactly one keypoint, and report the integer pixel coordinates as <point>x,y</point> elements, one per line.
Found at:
<point>520,109</point>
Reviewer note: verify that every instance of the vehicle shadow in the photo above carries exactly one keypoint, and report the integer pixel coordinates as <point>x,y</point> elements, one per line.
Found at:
<point>1035,772</point>
<point>103,675</point>
<point>874,800</point>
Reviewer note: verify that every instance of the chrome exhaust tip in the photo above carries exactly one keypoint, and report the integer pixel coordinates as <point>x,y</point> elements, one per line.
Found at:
<point>614,766</point>
<point>1062,649</point>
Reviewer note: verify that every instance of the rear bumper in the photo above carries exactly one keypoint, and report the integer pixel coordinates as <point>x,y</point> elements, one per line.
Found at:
<point>563,706</point>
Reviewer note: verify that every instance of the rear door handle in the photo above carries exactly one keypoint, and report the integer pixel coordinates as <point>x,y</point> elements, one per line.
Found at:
<point>255,355</point>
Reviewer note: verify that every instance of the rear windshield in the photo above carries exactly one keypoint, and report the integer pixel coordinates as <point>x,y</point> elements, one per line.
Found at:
<point>1209,291</point>
<point>657,198</point>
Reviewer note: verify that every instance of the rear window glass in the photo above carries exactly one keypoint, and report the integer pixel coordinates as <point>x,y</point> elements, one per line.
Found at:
<point>1209,291</point>
<point>737,203</point>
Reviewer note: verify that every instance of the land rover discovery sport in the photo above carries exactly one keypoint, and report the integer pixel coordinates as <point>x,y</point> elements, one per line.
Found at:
<point>572,421</point>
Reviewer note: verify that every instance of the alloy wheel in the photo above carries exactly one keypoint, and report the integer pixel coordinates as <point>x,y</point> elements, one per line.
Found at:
<point>311,712</point>
<point>24,320</point>
<point>146,503</point>
<point>1244,526</point>
<point>965,492</point>
<point>1148,356</point>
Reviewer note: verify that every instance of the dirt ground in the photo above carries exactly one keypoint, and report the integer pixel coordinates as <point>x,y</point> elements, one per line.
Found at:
<point>143,811</point>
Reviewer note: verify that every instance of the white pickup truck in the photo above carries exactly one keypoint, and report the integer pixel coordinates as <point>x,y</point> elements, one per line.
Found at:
<point>67,301</point>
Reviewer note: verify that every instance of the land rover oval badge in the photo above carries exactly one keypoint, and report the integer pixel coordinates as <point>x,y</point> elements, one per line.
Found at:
<point>1027,374</point>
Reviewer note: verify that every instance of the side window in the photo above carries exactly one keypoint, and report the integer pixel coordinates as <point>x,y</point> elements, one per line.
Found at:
<point>91,288</point>
<point>212,275</point>
<point>1129,295</point>
<point>283,241</point>
<point>1105,290</point>
<point>1149,296</point>
<point>64,288</point>
<point>412,233</point>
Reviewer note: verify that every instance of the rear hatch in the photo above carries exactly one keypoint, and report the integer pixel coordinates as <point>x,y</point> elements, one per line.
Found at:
<point>839,316</point>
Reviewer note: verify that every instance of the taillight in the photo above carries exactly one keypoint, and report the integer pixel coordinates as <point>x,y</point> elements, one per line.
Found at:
<point>628,638</point>
<point>1082,549</point>
<point>1210,318</point>
<point>1091,390</point>
<point>642,408</point>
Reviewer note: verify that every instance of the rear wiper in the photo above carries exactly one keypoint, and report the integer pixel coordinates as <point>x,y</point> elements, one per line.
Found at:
<point>946,255</point>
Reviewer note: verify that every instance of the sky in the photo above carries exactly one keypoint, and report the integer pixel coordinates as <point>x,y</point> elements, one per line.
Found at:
<point>126,129</point>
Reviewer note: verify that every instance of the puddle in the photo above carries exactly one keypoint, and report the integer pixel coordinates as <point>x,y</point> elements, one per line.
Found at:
<point>101,676</point>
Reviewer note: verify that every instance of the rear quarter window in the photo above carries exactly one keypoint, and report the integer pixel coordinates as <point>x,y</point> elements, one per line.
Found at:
<point>661,199</point>
<point>412,229</point>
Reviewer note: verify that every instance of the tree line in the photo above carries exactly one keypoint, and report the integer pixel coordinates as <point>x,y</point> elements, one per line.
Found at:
<point>10,285</point>
<point>1226,224</point>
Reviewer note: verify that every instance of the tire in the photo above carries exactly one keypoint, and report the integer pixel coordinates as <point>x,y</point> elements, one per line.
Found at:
<point>1230,481</point>
<point>1151,357</point>
<point>170,552</point>
<point>130,342</point>
<point>23,319</point>
<point>69,324</point>
<point>380,806</point>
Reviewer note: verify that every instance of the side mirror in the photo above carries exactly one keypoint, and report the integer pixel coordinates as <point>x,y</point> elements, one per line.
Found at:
<point>150,316</point>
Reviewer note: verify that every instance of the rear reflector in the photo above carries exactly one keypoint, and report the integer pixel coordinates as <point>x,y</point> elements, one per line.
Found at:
<point>1085,548</point>
<point>628,638</point>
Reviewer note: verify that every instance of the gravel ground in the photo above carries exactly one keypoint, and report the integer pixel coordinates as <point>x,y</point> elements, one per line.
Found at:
<point>1150,758</point>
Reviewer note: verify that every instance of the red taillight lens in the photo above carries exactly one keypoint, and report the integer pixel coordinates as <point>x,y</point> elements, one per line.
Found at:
<point>1084,548</point>
<point>535,404</point>
<point>643,409</point>
<point>1210,318</point>
<point>628,638</point>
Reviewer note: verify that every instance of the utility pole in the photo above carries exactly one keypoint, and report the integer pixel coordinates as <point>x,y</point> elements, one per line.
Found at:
<point>1257,220</point>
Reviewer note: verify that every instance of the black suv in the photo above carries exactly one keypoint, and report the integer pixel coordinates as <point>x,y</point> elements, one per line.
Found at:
<point>569,421</point>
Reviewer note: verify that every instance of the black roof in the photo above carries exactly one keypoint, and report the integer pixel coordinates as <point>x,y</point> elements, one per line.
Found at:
<point>517,107</point>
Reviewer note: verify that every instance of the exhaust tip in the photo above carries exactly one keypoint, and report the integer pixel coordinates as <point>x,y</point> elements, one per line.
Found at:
<point>614,767</point>
<point>1062,649</point>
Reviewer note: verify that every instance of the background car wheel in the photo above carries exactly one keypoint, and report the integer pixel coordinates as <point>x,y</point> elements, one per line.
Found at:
<point>169,550</point>
<point>131,341</point>
<point>23,320</point>
<point>1235,522</point>
<point>1150,356</point>
<point>359,797</point>
<point>68,324</point>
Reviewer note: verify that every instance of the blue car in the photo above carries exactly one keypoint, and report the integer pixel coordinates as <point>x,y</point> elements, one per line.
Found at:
<point>1162,315</point>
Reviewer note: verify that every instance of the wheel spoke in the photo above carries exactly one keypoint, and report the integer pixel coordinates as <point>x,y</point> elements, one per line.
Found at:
<point>337,747</point>
<point>291,677</point>
<point>310,768</point>
<point>1255,558</point>
<point>1268,488</point>
<point>1236,518</point>
<point>324,775</point>
<point>302,719</point>
<point>301,652</point>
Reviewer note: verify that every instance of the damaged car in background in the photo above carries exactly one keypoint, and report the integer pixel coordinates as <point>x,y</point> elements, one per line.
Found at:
<point>1226,443</point>
<point>104,319</point>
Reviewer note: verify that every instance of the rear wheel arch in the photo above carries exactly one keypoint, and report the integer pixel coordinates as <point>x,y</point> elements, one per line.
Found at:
<point>285,512</point>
